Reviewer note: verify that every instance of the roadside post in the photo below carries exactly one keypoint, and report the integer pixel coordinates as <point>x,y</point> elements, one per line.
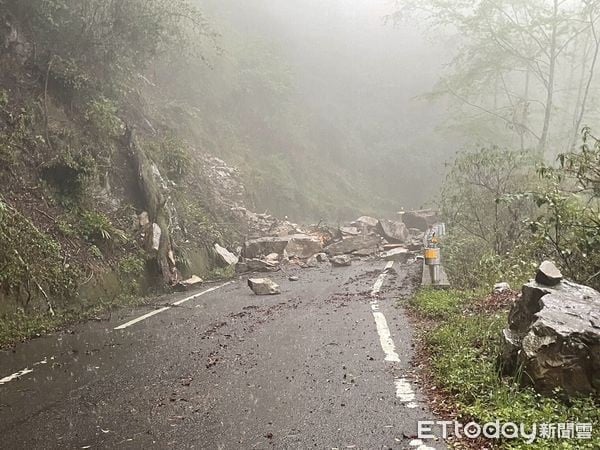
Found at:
<point>433,272</point>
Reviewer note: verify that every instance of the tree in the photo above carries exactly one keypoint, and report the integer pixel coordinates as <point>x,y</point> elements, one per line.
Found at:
<point>512,55</point>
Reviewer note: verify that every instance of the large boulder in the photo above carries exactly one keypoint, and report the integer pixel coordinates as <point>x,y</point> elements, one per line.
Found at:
<point>224,257</point>
<point>365,222</point>
<point>421,219</point>
<point>554,336</point>
<point>362,243</point>
<point>303,246</point>
<point>256,248</point>
<point>392,231</point>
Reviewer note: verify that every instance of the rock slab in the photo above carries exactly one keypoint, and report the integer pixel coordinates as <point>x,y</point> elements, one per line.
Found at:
<point>554,335</point>
<point>341,261</point>
<point>263,286</point>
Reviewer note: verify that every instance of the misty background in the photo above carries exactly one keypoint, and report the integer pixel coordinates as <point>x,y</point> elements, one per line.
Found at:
<point>319,104</point>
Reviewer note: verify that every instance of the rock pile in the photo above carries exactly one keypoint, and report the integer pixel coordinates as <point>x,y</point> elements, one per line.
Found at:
<point>280,241</point>
<point>553,335</point>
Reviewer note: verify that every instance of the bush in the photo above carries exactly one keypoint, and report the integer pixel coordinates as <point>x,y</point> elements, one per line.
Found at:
<point>464,354</point>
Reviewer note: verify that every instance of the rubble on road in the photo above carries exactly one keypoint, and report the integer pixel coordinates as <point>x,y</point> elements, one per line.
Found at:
<point>303,246</point>
<point>349,231</point>
<point>341,261</point>
<point>193,281</point>
<point>400,254</point>
<point>361,243</point>
<point>392,231</point>
<point>263,286</point>
<point>224,256</point>
<point>293,278</point>
<point>553,335</point>
<point>256,265</point>
<point>365,222</point>
<point>421,219</point>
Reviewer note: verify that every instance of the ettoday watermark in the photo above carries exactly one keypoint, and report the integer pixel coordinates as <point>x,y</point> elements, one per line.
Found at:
<point>430,429</point>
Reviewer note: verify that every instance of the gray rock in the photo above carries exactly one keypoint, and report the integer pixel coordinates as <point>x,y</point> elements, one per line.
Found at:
<point>303,246</point>
<point>349,231</point>
<point>554,336</point>
<point>394,232</point>
<point>224,256</point>
<point>501,287</point>
<point>548,274</point>
<point>190,283</point>
<point>421,219</point>
<point>341,261</point>
<point>396,254</point>
<point>263,286</point>
<point>322,257</point>
<point>256,265</point>
<point>312,262</point>
<point>353,244</point>
<point>293,278</point>
<point>256,248</point>
<point>366,222</point>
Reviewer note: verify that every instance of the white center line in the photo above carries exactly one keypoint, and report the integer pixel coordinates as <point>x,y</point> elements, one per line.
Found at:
<point>166,308</point>
<point>381,279</point>
<point>385,337</point>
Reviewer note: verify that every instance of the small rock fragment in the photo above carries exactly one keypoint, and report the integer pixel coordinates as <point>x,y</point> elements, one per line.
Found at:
<point>341,261</point>
<point>501,287</point>
<point>548,274</point>
<point>294,278</point>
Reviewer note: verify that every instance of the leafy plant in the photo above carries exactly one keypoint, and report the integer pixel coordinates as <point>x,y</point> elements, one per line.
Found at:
<point>97,228</point>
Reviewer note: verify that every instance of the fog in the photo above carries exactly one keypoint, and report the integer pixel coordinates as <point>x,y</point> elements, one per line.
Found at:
<point>335,91</point>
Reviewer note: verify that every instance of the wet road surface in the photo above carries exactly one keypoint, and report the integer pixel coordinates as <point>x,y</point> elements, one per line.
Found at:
<point>326,365</point>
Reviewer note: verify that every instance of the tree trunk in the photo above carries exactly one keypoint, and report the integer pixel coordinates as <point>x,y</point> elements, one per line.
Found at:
<point>155,201</point>
<point>586,92</point>
<point>550,84</point>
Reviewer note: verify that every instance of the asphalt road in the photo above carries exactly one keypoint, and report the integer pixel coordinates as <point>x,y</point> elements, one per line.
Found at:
<point>326,365</point>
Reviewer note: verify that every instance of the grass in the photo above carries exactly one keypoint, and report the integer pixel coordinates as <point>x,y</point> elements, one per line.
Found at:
<point>21,326</point>
<point>464,363</point>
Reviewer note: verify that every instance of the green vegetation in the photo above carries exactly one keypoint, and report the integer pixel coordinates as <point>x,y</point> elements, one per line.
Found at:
<point>464,351</point>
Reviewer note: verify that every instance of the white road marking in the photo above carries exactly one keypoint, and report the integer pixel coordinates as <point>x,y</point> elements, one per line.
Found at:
<point>405,393</point>
<point>418,443</point>
<point>385,338</point>
<point>166,308</point>
<point>15,376</point>
<point>381,279</point>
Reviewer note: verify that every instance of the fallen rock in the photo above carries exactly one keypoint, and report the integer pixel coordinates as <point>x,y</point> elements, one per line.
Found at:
<point>366,222</point>
<point>394,232</point>
<point>322,257</point>
<point>256,248</point>
<point>349,231</point>
<point>263,286</point>
<point>224,256</point>
<point>341,261</point>
<point>396,254</point>
<point>548,274</point>
<point>272,257</point>
<point>501,287</point>
<point>303,246</point>
<point>312,262</point>
<point>420,219</point>
<point>190,283</point>
<point>293,278</point>
<point>353,244</point>
<point>256,265</point>
<point>553,334</point>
